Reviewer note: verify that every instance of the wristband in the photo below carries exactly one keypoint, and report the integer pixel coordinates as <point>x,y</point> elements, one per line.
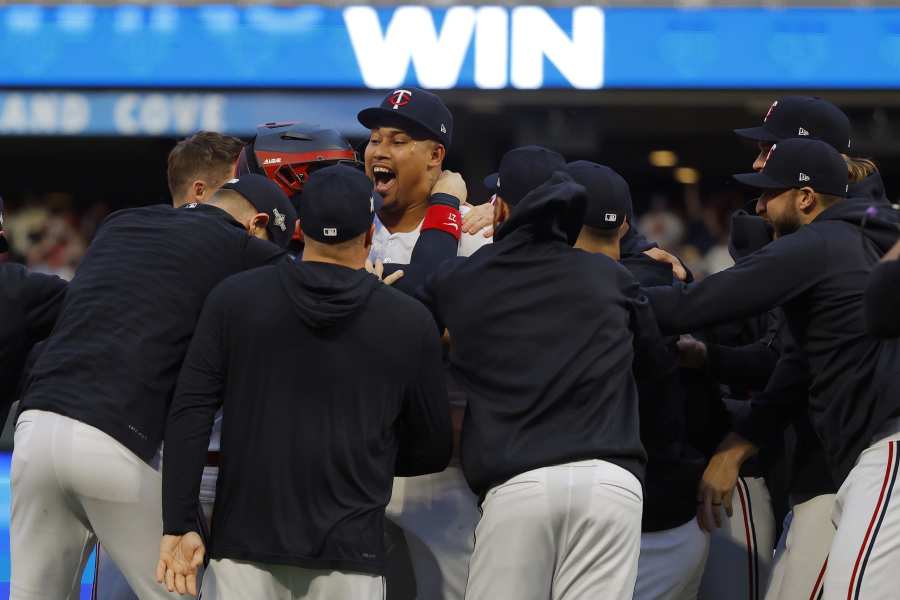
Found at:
<point>443,217</point>
<point>445,199</point>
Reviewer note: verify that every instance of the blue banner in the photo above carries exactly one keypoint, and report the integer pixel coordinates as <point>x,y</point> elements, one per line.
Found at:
<point>484,47</point>
<point>174,114</point>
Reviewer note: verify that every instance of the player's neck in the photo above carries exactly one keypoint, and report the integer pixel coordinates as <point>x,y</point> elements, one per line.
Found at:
<point>405,220</point>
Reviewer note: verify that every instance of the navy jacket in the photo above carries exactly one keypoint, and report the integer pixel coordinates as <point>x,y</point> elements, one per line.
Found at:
<point>818,275</point>
<point>29,305</point>
<point>543,340</point>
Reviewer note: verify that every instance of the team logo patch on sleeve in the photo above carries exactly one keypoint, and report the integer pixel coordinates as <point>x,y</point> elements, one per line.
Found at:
<point>279,220</point>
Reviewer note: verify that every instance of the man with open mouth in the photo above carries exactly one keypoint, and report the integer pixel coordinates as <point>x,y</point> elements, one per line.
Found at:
<point>410,134</point>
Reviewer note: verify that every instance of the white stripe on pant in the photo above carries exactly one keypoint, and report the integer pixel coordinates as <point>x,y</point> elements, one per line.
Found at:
<point>799,567</point>
<point>564,532</point>
<point>72,484</point>
<point>240,580</point>
<point>864,562</point>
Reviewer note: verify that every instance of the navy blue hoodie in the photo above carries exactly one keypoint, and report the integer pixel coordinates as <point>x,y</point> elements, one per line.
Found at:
<point>543,344</point>
<point>818,275</point>
<point>331,383</point>
<point>29,305</point>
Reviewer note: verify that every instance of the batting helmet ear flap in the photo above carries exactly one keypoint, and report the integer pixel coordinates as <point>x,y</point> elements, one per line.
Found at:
<point>247,162</point>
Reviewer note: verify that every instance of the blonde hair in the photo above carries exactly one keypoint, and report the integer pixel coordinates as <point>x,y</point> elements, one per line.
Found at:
<point>859,168</point>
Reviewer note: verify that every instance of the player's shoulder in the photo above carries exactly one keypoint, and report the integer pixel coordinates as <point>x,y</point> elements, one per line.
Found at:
<point>469,244</point>
<point>245,286</point>
<point>392,304</point>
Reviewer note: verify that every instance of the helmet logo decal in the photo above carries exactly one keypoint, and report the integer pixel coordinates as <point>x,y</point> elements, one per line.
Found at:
<point>400,98</point>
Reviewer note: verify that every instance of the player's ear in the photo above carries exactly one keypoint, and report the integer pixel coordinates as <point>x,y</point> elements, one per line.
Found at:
<point>198,190</point>
<point>807,198</point>
<point>438,153</point>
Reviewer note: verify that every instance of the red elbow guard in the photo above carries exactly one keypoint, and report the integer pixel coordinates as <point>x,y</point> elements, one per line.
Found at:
<point>445,218</point>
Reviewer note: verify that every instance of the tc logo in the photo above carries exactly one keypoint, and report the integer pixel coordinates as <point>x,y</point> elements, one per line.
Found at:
<point>400,98</point>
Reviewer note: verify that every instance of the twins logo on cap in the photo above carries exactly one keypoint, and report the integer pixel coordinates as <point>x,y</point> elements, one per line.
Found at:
<point>769,114</point>
<point>400,98</point>
<point>279,219</point>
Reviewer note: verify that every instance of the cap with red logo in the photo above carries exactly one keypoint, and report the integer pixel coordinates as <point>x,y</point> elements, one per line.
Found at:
<point>421,114</point>
<point>802,117</point>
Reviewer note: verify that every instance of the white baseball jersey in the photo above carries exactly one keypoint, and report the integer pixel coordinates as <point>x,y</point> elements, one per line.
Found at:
<point>397,247</point>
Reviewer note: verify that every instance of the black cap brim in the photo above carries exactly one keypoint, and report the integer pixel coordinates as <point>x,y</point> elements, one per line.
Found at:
<point>761,181</point>
<point>372,118</point>
<point>490,182</point>
<point>759,134</point>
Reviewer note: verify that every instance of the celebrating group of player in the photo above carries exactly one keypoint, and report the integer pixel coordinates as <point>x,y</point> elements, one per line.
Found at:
<point>318,378</point>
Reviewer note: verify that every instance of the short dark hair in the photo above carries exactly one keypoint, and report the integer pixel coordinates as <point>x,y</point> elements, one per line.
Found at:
<point>204,155</point>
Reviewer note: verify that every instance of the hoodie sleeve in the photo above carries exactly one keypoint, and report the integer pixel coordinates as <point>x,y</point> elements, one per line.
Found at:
<point>652,359</point>
<point>197,397</point>
<point>882,308</point>
<point>432,248</point>
<point>44,295</point>
<point>786,393</point>
<point>751,364</point>
<point>424,429</point>
<point>759,282</point>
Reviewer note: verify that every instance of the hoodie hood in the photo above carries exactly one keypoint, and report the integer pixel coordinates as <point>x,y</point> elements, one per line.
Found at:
<point>749,233</point>
<point>871,189</point>
<point>553,211</point>
<point>879,223</point>
<point>324,294</point>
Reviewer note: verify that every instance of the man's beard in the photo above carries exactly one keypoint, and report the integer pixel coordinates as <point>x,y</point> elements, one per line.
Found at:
<point>786,224</point>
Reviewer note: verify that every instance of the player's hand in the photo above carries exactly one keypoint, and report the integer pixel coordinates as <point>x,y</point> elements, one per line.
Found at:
<point>660,255</point>
<point>892,254</point>
<point>451,183</point>
<point>691,352</point>
<point>716,489</point>
<point>180,556</point>
<point>377,270</point>
<point>479,218</point>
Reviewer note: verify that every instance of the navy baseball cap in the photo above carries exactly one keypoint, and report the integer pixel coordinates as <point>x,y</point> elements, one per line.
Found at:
<point>799,163</point>
<point>266,197</point>
<point>419,113</point>
<point>803,117</point>
<point>522,170</point>
<point>608,195</point>
<point>338,204</point>
<point>4,243</point>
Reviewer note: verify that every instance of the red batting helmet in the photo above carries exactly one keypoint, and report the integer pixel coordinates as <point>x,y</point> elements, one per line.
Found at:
<point>287,153</point>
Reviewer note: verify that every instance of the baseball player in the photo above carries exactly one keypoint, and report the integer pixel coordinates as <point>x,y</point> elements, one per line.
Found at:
<point>802,551</point>
<point>329,453</point>
<point>30,304</point>
<point>542,342</point>
<point>410,134</point>
<point>93,414</point>
<point>673,547</point>
<point>881,295</point>
<point>197,167</point>
<point>816,270</point>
